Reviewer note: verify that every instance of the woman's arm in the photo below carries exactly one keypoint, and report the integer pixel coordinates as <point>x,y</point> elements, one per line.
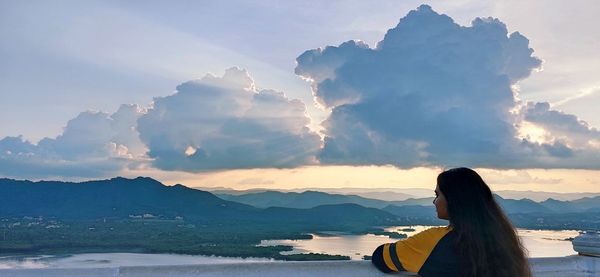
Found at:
<point>377,260</point>
<point>408,254</point>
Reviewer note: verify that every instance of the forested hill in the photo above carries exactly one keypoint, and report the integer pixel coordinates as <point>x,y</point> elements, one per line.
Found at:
<point>125,198</point>
<point>117,197</point>
<point>122,198</point>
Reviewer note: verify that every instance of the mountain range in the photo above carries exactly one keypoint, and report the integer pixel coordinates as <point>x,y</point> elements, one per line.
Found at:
<point>121,198</point>
<point>399,194</point>
<point>309,199</point>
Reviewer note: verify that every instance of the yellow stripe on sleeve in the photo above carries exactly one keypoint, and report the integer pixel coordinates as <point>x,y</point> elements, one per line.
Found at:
<point>414,251</point>
<point>387,258</point>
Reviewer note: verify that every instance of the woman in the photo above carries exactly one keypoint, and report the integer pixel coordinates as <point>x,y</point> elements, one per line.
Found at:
<point>479,241</point>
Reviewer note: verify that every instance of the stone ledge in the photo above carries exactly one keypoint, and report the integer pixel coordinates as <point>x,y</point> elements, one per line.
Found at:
<point>574,266</point>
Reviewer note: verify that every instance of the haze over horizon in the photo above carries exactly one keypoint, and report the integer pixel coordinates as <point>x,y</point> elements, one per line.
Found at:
<point>383,95</point>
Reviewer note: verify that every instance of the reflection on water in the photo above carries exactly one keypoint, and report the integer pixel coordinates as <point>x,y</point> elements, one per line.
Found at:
<point>543,243</point>
<point>355,246</point>
<point>539,243</point>
<point>97,260</point>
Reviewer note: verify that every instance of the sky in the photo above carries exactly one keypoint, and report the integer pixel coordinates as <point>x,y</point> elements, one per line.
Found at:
<point>282,94</point>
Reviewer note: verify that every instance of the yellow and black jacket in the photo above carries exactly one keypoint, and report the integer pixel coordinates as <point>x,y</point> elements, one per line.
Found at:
<point>428,253</point>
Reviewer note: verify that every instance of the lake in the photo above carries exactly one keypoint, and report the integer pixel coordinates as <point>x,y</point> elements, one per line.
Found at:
<point>96,260</point>
<point>539,243</point>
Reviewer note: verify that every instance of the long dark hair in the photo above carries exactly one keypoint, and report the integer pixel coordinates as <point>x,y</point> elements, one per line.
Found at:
<point>486,241</point>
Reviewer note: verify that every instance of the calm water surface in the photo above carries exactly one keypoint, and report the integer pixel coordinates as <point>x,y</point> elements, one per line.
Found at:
<point>96,260</point>
<point>539,243</point>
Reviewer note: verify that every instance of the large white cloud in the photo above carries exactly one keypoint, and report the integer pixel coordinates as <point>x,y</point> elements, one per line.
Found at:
<point>94,144</point>
<point>431,93</point>
<point>436,93</point>
<point>208,124</point>
<point>225,123</point>
<point>557,139</point>
<point>561,126</point>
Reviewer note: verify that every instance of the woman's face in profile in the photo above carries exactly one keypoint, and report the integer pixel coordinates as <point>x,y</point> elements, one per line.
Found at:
<point>441,206</point>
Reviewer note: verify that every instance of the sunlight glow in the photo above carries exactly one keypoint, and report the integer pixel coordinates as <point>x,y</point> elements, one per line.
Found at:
<point>533,133</point>
<point>551,180</point>
<point>189,151</point>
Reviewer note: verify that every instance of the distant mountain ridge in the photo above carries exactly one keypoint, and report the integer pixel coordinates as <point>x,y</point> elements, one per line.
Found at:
<point>377,194</point>
<point>400,194</point>
<point>310,199</point>
<point>121,198</point>
<point>302,200</point>
<point>540,196</point>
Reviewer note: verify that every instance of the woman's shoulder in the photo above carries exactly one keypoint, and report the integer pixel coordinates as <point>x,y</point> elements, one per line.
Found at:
<point>438,232</point>
<point>439,229</point>
<point>412,252</point>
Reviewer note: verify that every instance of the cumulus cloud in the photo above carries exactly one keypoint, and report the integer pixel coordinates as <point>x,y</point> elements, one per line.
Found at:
<point>561,126</point>
<point>431,93</point>
<point>94,144</point>
<point>559,140</point>
<point>226,123</point>
<point>208,124</point>
<point>436,93</point>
